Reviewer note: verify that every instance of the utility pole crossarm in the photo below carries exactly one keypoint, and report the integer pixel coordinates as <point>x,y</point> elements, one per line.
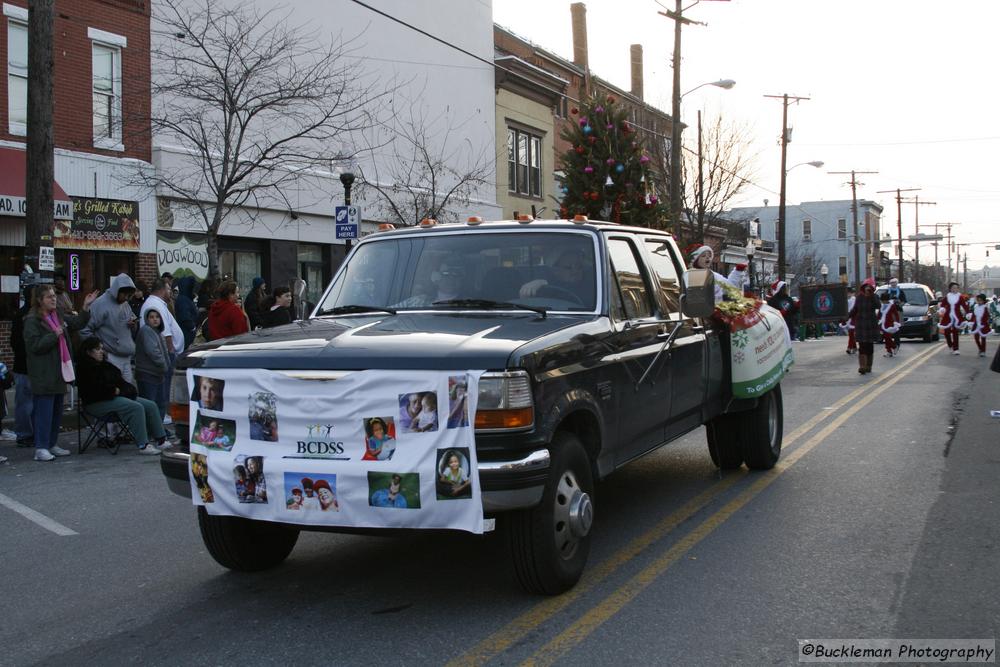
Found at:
<point>854,215</point>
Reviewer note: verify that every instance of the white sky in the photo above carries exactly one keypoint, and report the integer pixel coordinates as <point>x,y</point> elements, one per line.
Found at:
<point>906,88</point>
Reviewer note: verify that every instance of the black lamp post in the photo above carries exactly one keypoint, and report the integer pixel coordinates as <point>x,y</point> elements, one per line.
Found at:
<point>347,178</point>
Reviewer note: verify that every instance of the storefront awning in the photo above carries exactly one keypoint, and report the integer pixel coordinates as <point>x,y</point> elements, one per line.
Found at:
<point>13,179</point>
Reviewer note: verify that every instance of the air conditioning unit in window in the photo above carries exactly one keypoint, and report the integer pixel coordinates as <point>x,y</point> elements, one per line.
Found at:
<point>807,237</point>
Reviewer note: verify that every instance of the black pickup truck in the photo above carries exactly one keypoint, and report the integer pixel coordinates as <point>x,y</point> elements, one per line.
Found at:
<point>595,354</point>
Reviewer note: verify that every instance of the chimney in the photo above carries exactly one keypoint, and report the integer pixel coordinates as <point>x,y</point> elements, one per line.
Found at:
<point>579,13</point>
<point>636,55</point>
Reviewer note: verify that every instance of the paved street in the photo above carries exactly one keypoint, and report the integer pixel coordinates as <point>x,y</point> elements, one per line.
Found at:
<point>881,521</point>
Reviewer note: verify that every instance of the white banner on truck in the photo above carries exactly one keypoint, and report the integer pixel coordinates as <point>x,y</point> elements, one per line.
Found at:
<point>392,449</point>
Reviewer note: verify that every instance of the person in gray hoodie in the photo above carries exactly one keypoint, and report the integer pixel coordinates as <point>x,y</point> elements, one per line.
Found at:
<point>112,321</point>
<point>152,358</point>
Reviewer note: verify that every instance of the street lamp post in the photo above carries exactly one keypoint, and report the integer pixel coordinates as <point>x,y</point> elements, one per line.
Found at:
<point>751,249</point>
<point>347,179</point>
<point>675,142</point>
<point>823,271</point>
<point>781,208</point>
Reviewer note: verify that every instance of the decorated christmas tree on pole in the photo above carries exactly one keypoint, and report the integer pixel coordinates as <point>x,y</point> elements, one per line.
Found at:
<point>607,169</point>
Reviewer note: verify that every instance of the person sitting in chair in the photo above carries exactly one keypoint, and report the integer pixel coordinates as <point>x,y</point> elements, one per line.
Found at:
<point>103,390</point>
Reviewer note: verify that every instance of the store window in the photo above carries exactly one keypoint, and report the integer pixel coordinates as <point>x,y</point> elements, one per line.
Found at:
<point>242,266</point>
<point>17,72</point>
<point>311,271</point>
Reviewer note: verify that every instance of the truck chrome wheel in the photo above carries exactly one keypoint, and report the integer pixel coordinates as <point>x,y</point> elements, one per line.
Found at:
<point>573,514</point>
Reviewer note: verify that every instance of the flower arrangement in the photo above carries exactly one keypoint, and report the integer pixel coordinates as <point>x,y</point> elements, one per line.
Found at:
<point>734,305</point>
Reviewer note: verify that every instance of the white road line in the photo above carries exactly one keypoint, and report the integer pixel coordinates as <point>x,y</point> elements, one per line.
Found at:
<point>39,518</point>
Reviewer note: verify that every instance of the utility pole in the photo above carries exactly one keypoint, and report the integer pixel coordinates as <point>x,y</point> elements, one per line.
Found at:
<point>854,215</point>
<point>899,227</point>
<point>965,272</point>
<point>784,173</point>
<point>948,226</point>
<point>40,220</point>
<point>916,222</point>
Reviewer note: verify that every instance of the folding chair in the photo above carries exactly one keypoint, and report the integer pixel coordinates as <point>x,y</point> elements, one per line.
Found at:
<point>108,431</point>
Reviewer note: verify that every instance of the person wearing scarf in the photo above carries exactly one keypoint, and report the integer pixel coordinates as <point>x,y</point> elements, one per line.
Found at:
<point>865,315</point>
<point>50,366</point>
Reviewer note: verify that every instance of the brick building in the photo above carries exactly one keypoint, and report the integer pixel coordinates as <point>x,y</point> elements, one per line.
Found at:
<point>105,217</point>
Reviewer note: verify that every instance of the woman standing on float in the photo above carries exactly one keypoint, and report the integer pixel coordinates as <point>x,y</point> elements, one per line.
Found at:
<point>953,310</point>
<point>865,315</point>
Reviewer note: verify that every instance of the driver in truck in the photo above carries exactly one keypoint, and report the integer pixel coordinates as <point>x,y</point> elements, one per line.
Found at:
<point>567,274</point>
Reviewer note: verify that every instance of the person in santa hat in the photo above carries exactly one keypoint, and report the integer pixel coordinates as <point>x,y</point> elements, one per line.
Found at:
<point>852,345</point>
<point>953,310</point>
<point>980,323</point>
<point>701,256</point>
<point>888,323</point>
<point>865,315</point>
<point>780,301</point>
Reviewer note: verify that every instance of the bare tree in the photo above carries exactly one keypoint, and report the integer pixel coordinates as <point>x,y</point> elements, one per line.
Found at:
<point>727,164</point>
<point>252,103</point>
<point>802,263</point>
<point>428,169</point>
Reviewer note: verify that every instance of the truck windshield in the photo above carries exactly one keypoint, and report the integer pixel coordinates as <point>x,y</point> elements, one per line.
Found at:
<point>474,271</point>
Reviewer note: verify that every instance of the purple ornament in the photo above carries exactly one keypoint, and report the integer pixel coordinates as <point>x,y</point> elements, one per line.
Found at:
<point>588,169</point>
<point>652,199</point>
<point>644,159</point>
<point>609,126</point>
<point>599,109</point>
<point>610,161</point>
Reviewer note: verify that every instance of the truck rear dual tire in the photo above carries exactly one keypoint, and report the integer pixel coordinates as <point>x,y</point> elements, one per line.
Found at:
<point>752,437</point>
<point>549,544</point>
<point>245,545</point>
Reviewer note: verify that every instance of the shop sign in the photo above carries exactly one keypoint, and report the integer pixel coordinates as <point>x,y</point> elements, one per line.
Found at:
<point>74,272</point>
<point>46,258</point>
<point>184,256</point>
<point>100,224</point>
<point>17,207</point>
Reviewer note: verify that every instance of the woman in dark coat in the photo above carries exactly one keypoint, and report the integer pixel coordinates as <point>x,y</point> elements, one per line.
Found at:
<point>50,365</point>
<point>277,309</point>
<point>103,390</point>
<point>866,330</point>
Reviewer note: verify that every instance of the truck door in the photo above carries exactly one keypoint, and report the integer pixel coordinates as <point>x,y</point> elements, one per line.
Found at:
<point>637,338</point>
<point>685,361</point>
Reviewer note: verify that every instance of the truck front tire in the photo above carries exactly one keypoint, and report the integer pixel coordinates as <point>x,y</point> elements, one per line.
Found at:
<point>245,545</point>
<point>762,431</point>
<point>549,544</point>
<point>725,441</point>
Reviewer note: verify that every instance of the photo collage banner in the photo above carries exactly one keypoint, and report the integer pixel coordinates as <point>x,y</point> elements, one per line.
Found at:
<point>384,449</point>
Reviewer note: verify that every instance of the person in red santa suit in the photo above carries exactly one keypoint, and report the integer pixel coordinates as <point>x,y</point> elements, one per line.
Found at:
<point>888,323</point>
<point>852,344</point>
<point>980,323</point>
<point>953,309</point>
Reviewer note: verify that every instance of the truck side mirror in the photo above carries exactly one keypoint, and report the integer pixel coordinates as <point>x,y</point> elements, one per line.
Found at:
<point>698,299</point>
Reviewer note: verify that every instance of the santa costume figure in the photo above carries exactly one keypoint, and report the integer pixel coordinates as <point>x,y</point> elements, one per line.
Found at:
<point>980,323</point>
<point>888,323</point>
<point>953,310</point>
<point>852,345</point>
<point>701,256</point>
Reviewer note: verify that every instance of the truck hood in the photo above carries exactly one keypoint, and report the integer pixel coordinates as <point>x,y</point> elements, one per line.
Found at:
<point>406,341</point>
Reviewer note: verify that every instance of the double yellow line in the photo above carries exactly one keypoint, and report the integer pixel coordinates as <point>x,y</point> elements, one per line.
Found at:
<point>514,631</point>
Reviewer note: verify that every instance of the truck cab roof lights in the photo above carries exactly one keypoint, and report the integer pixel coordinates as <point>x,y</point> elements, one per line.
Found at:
<point>579,219</point>
<point>386,227</point>
<point>524,218</point>
<point>474,220</point>
<point>428,222</point>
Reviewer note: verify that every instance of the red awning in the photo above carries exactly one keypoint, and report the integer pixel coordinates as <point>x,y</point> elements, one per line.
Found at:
<point>13,184</point>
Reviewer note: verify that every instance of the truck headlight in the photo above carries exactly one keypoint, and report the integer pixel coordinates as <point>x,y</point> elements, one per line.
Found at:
<point>505,401</point>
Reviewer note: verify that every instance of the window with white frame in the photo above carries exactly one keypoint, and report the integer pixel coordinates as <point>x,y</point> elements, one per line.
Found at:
<point>842,262</point>
<point>17,74</point>
<point>107,88</point>
<point>841,228</point>
<point>807,230</point>
<point>524,163</point>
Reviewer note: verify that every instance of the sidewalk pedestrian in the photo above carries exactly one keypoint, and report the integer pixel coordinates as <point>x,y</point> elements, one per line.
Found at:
<point>152,359</point>
<point>23,400</point>
<point>953,309</point>
<point>852,344</point>
<point>226,318</point>
<point>865,316</point>
<point>50,366</point>
<point>278,308</point>
<point>980,323</point>
<point>185,311</point>
<point>103,390</point>
<point>114,323</point>
<point>159,300</point>
<point>253,302</point>
<point>888,323</point>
